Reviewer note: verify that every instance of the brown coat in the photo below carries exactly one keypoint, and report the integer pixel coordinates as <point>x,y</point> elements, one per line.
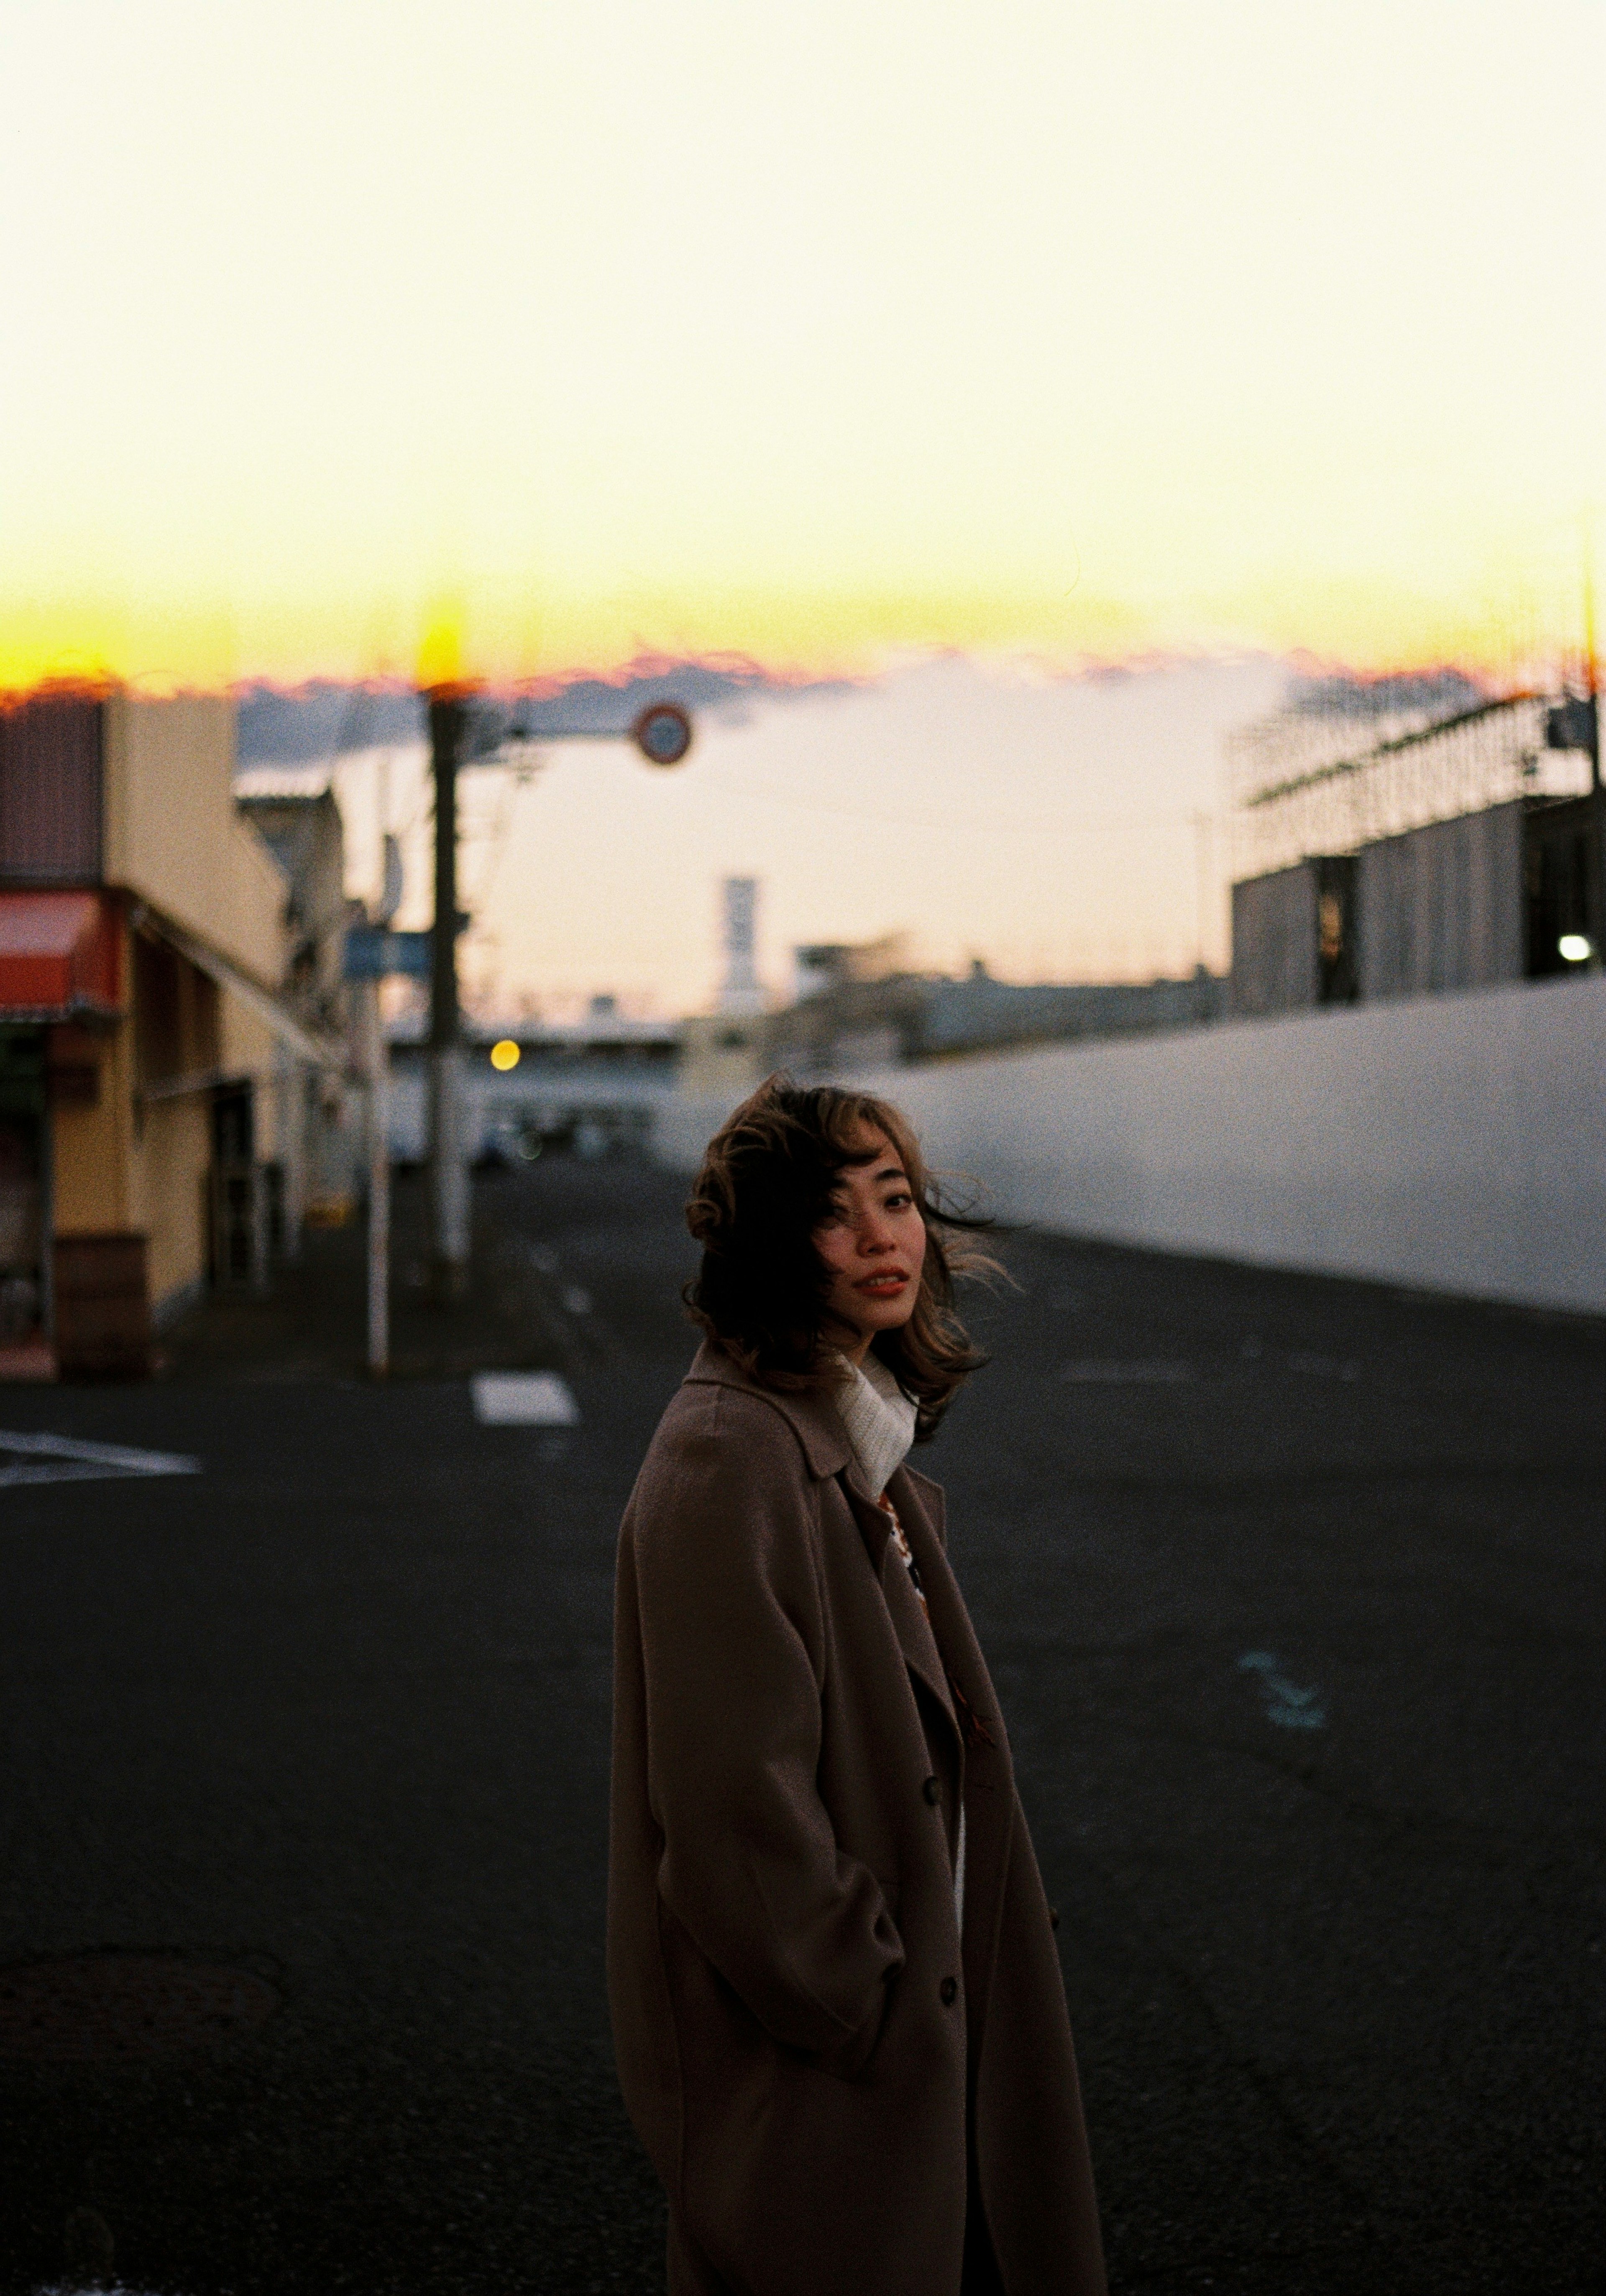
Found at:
<point>803,2045</point>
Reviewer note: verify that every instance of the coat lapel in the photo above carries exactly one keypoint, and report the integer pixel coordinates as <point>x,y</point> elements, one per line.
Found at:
<point>915,1637</point>
<point>818,1427</point>
<point>989,1800</point>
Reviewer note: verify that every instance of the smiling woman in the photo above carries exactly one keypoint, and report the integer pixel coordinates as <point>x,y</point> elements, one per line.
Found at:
<point>838,2008</point>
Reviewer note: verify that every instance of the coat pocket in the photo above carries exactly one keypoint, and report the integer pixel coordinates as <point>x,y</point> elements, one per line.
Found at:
<point>849,2059</point>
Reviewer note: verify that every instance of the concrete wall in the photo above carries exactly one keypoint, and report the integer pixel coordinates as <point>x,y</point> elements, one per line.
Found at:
<point>92,1145</point>
<point>170,1194</point>
<point>1455,1143</point>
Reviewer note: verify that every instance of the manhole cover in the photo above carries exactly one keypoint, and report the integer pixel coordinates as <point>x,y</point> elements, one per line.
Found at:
<point>126,2005</point>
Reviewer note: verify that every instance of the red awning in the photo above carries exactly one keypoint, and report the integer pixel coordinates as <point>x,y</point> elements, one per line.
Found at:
<point>58,955</point>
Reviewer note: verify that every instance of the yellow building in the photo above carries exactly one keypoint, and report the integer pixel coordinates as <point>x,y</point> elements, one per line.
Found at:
<point>151,1081</point>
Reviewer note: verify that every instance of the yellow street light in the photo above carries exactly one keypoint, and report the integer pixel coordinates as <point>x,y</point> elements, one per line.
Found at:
<point>504,1055</point>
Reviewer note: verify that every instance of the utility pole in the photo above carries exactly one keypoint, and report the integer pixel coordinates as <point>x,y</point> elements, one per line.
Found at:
<point>1594,867</point>
<point>448,1192</point>
<point>662,733</point>
<point>1202,826</point>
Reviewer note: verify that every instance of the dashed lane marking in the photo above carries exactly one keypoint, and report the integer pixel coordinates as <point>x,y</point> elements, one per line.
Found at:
<point>64,1459</point>
<point>524,1398</point>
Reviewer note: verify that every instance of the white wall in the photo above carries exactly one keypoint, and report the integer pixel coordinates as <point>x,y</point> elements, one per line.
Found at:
<point>1455,1142</point>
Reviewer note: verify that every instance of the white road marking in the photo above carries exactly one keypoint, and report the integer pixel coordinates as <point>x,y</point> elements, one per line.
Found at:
<point>64,1459</point>
<point>1286,1705</point>
<point>524,1398</point>
<point>1096,1373</point>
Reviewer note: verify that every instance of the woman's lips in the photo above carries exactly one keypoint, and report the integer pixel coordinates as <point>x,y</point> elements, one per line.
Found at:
<point>892,1280</point>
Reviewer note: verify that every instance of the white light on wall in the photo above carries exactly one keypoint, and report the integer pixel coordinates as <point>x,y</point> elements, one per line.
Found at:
<point>1575,948</point>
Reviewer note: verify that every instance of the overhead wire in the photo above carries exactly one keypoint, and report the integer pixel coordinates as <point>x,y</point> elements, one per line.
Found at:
<point>1109,824</point>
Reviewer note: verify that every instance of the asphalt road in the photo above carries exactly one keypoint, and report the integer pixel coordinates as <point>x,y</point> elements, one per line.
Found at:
<point>1291,1590</point>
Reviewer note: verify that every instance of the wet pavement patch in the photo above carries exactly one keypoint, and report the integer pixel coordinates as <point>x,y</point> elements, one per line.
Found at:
<point>111,2007</point>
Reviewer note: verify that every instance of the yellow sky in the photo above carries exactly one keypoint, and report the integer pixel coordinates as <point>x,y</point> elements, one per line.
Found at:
<point>806,332</point>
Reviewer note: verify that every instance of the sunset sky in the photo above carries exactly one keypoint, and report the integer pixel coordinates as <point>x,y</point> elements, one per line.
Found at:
<point>1061,828</point>
<point>815,332</point>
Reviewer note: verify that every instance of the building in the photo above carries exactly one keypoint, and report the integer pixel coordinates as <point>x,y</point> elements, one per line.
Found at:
<point>724,1053</point>
<point>591,1087</point>
<point>303,829</point>
<point>149,1068</point>
<point>863,1007</point>
<point>1450,856</point>
<point>740,993</point>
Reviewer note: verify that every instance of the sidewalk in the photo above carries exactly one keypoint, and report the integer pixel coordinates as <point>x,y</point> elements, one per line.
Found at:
<point>312,1325</point>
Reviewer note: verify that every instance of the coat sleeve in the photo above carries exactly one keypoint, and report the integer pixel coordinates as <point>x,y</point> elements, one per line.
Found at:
<point>732,1641</point>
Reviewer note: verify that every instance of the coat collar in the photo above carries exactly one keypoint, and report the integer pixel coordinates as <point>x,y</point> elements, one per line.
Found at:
<point>813,1418</point>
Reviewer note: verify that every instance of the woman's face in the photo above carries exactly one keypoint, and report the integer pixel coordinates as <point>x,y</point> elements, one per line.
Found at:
<point>873,1242</point>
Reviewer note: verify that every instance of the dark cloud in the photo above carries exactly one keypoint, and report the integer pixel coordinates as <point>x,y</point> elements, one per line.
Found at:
<point>1442,692</point>
<point>324,719</point>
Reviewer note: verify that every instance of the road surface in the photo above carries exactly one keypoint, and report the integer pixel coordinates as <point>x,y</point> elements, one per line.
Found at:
<point>1291,1590</point>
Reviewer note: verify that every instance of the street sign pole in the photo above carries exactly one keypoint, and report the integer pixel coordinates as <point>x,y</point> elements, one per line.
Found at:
<point>379,1184</point>
<point>373,954</point>
<point>448,1192</point>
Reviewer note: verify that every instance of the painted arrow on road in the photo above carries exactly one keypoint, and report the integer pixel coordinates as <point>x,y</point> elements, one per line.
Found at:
<point>1286,1704</point>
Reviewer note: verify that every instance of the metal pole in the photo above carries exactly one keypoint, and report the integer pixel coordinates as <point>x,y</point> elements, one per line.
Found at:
<point>259,1171</point>
<point>1594,859</point>
<point>449,1167</point>
<point>1202,912</point>
<point>290,1076</point>
<point>379,1186</point>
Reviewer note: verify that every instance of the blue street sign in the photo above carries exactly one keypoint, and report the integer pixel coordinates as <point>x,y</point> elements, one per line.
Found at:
<point>372,953</point>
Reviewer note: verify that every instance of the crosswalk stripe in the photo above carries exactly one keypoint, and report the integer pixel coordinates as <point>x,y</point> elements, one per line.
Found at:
<point>67,1459</point>
<point>524,1398</point>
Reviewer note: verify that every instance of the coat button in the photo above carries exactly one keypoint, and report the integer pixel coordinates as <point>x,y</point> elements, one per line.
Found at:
<point>932,1790</point>
<point>950,1990</point>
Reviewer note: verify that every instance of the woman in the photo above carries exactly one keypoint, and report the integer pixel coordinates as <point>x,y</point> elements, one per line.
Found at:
<point>836,2004</point>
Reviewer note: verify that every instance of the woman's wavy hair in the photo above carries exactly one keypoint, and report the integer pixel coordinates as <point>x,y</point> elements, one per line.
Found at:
<point>766,1183</point>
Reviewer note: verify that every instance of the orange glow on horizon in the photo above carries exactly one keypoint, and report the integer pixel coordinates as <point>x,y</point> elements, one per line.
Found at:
<point>1381,628</point>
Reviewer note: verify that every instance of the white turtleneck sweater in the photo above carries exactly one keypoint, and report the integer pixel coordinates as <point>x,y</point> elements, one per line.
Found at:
<point>880,1421</point>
